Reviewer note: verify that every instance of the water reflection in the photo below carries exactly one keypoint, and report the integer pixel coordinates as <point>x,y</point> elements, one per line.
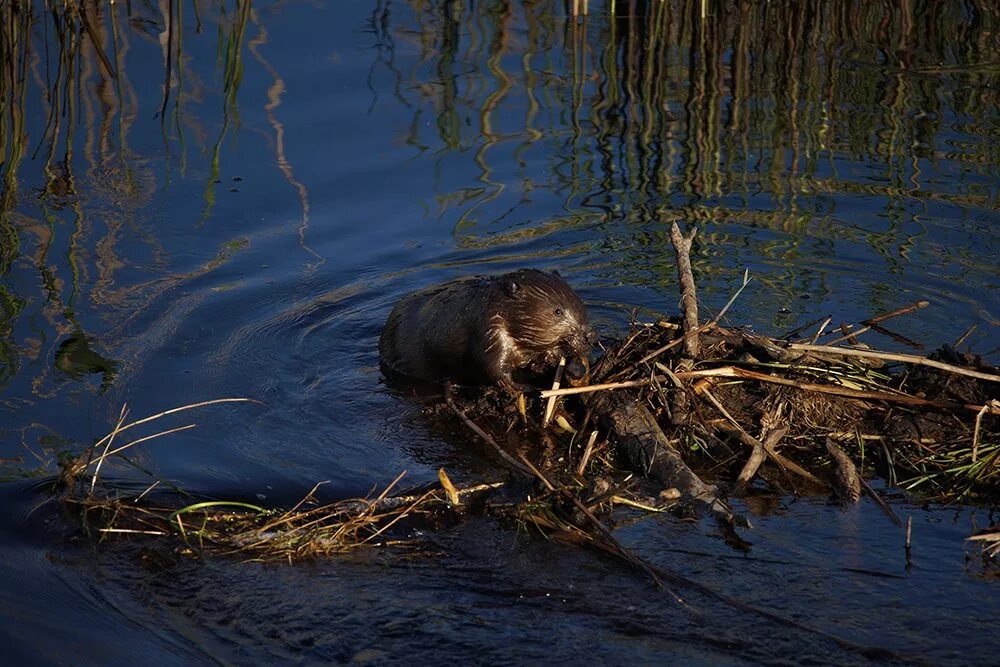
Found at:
<point>220,197</point>
<point>659,110</point>
<point>816,141</point>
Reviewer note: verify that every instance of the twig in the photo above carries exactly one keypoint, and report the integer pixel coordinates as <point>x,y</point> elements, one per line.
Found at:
<point>621,500</point>
<point>965,336</point>
<point>836,390</point>
<point>771,435</point>
<point>979,420</point>
<point>849,335</point>
<point>110,439</point>
<point>551,405</point>
<point>704,327</point>
<point>732,299</point>
<point>172,411</point>
<point>749,469</point>
<point>674,343</point>
<point>605,532</point>
<point>148,489</point>
<point>597,387</point>
<point>734,372</point>
<point>117,450</point>
<point>485,436</point>
<point>689,293</point>
<point>848,482</point>
<point>891,356</point>
<point>881,503</point>
<point>799,329</point>
<point>588,450</point>
<point>134,532</point>
<point>916,305</point>
<point>819,332</point>
<point>785,463</point>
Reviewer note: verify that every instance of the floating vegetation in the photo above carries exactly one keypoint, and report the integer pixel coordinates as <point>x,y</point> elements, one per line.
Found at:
<point>304,532</point>
<point>800,414</point>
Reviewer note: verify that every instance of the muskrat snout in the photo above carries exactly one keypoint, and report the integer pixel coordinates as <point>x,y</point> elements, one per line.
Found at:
<point>583,340</point>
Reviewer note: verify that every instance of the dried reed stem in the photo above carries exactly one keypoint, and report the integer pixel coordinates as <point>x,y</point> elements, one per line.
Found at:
<point>892,356</point>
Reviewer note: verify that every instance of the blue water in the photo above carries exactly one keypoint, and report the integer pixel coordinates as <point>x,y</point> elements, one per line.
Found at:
<point>317,161</point>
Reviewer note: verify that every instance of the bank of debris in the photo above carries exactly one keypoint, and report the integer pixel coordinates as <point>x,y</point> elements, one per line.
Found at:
<point>679,415</point>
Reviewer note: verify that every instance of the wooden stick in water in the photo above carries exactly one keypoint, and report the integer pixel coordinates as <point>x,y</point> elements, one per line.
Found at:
<point>905,310</point>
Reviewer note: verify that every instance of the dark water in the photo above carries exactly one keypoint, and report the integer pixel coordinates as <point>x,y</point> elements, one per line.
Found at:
<point>246,233</point>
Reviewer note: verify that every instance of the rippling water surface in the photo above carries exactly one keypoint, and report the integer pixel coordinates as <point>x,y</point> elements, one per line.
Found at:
<point>224,198</point>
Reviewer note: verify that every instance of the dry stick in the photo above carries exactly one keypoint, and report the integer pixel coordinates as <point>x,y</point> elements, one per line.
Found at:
<point>899,338</point>
<point>905,310</point>
<point>733,372</point>
<point>689,294</point>
<point>116,450</point>
<point>704,327</point>
<point>884,506</point>
<point>148,489</point>
<point>848,334</point>
<point>598,387</point>
<point>448,487</point>
<point>769,445</point>
<point>586,454</point>
<point>172,411</point>
<point>835,390</point>
<point>746,281</point>
<point>770,436</point>
<point>963,337</point>
<point>670,374</point>
<point>916,305</point>
<point>891,356</point>
<point>131,531</point>
<point>991,405</point>
<point>750,468</point>
<point>110,439</point>
<point>848,481</point>
<point>399,517</point>
<point>551,405</point>
<point>787,464</point>
<point>485,436</point>
<point>627,502</point>
<point>819,332</point>
<point>604,530</point>
<point>799,329</point>
<point>674,343</point>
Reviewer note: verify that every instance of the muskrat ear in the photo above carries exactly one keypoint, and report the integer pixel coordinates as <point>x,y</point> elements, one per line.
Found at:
<point>511,288</point>
<point>556,273</point>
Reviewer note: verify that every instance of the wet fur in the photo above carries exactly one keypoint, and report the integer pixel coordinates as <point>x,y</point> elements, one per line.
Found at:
<point>481,330</point>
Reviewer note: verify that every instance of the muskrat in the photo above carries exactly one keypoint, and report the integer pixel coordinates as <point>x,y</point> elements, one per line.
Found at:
<point>480,330</point>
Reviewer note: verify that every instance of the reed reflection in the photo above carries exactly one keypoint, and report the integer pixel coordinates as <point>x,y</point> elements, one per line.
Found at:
<point>76,249</point>
<point>650,108</point>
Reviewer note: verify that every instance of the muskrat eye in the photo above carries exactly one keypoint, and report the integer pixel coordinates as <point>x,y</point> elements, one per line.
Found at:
<point>559,312</point>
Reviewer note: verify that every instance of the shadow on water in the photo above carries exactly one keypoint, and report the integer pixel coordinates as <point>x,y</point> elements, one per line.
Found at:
<point>214,198</point>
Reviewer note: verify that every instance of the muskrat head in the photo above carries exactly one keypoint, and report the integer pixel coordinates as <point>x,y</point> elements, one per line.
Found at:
<point>545,317</point>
